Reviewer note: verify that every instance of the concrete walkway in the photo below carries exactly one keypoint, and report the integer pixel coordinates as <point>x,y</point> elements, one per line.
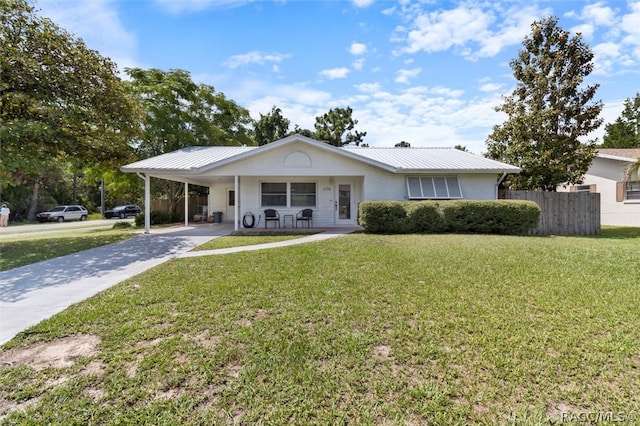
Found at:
<point>32,293</point>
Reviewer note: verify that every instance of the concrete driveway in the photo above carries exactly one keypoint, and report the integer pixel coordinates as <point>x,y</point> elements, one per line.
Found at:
<point>32,293</point>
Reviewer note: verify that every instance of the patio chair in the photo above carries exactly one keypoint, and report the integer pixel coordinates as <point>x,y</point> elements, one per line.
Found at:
<point>305,215</point>
<point>271,215</point>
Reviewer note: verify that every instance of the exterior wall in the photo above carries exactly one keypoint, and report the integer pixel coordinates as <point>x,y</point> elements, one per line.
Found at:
<point>299,162</point>
<point>605,173</point>
<point>389,186</point>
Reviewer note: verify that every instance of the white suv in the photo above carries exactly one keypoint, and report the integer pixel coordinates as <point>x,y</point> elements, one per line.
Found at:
<point>62,213</point>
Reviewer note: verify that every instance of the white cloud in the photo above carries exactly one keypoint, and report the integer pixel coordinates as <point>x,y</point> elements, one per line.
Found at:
<point>358,64</point>
<point>97,23</point>
<point>631,26</point>
<point>358,48</point>
<point>474,31</point>
<point>405,75</point>
<point>368,87</point>
<point>362,3</point>
<point>598,14</point>
<point>490,87</point>
<point>586,30</point>
<point>255,57</point>
<point>334,73</point>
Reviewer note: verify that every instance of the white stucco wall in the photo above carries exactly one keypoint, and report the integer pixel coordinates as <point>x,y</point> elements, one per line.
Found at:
<point>298,162</point>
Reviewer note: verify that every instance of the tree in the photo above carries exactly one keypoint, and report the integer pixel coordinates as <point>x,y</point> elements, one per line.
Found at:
<point>461,148</point>
<point>59,100</point>
<point>403,144</point>
<point>548,111</point>
<point>335,126</point>
<point>625,131</point>
<point>271,127</point>
<point>179,113</point>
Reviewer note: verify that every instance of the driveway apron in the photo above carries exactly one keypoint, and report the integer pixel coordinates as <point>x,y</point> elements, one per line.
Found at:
<point>32,293</point>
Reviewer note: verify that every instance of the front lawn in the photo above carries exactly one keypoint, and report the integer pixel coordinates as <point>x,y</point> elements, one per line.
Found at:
<point>32,247</point>
<point>361,329</point>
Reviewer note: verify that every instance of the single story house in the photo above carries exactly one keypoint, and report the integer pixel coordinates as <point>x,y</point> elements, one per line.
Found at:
<point>298,172</point>
<point>619,195</point>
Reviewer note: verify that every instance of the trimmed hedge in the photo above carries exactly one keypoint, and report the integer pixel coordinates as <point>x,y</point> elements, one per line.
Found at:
<point>457,216</point>
<point>159,217</point>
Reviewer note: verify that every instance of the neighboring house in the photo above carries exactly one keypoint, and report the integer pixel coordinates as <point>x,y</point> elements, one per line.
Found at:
<point>619,196</point>
<point>298,172</point>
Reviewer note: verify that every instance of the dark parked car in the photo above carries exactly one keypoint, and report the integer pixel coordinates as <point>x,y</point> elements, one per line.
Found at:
<point>62,213</point>
<point>123,212</point>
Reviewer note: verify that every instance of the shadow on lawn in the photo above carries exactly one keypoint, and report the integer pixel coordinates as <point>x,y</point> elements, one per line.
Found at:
<point>616,233</point>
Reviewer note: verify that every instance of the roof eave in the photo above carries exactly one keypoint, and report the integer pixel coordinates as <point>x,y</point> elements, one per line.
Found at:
<point>458,171</point>
<point>616,157</point>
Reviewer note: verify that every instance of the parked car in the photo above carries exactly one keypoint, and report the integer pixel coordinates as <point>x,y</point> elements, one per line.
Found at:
<point>123,211</point>
<point>63,213</point>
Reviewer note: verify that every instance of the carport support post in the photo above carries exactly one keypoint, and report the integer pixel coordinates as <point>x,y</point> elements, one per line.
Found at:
<point>147,201</point>
<point>235,204</point>
<point>186,204</point>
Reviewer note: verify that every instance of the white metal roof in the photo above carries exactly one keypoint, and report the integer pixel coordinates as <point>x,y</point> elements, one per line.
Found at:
<point>432,159</point>
<point>398,160</point>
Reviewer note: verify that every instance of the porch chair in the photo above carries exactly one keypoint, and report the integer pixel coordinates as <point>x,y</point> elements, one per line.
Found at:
<point>271,215</point>
<point>305,215</point>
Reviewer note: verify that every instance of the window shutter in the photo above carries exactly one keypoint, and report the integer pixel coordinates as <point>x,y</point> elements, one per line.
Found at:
<point>619,191</point>
<point>592,188</point>
<point>572,188</point>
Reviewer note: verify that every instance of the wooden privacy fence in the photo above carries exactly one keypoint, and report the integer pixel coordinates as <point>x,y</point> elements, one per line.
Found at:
<point>563,213</point>
<point>163,205</point>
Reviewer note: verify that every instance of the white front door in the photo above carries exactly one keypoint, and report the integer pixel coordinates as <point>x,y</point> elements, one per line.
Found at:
<point>345,210</point>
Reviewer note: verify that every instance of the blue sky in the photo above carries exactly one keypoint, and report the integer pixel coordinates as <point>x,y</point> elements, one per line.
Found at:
<point>429,72</point>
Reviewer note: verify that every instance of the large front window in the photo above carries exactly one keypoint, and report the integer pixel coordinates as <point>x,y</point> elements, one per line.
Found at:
<point>433,187</point>
<point>288,194</point>
<point>274,194</point>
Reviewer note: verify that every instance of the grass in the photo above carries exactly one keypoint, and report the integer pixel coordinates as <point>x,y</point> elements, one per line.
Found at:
<point>245,240</point>
<point>365,329</point>
<point>30,248</point>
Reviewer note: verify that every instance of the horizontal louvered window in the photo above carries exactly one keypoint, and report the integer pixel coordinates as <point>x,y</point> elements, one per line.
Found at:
<point>433,187</point>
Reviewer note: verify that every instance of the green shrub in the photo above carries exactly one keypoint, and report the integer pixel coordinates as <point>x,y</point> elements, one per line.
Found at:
<point>490,216</point>
<point>158,217</point>
<point>121,225</point>
<point>424,217</point>
<point>383,217</point>
<point>459,216</point>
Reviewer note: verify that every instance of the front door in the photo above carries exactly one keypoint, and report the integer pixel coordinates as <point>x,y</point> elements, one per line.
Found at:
<point>231,203</point>
<point>345,206</point>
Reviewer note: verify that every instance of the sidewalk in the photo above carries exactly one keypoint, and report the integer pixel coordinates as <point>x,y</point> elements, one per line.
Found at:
<point>32,293</point>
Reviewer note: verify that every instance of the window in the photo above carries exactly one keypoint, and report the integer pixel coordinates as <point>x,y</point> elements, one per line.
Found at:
<point>632,190</point>
<point>274,194</point>
<point>433,187</point>
<point>583,188</point>
<point>628,191</point>
<point>289,194</point>
<point>303,194</point>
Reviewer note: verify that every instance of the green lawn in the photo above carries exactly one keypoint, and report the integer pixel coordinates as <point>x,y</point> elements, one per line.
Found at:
<point>365,329</point>
<point>31,247</point>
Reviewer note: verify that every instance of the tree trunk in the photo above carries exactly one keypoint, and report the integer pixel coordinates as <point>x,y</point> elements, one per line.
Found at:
<point>33,205</point>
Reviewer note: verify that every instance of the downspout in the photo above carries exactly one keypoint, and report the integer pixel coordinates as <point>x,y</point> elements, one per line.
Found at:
<point>147,201</point>
<point>502,178</point>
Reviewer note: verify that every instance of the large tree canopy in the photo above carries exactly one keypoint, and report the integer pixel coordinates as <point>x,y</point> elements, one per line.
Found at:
<point>181,113</point>
<point>625,131</point>
<point>271,127</point>
<point>59,100</point>
<point>549,111</point>
<point>335,127</point>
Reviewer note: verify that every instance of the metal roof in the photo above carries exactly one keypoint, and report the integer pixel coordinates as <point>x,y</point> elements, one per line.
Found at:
<point>398,160</point>
<point>191,158</point>
<point>432,159</point>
